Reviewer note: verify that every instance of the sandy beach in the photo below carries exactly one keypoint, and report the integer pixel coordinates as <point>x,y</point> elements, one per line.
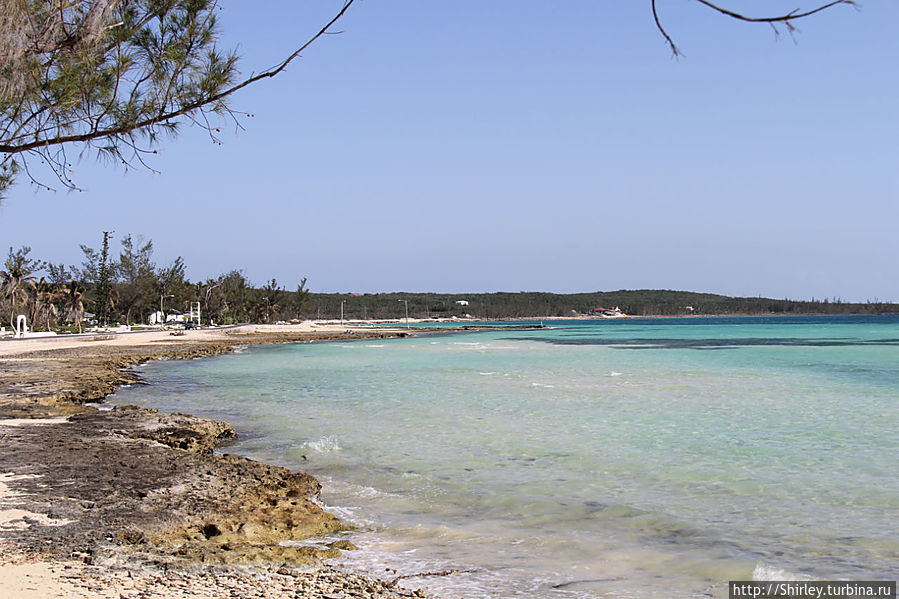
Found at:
<point>127,502</point>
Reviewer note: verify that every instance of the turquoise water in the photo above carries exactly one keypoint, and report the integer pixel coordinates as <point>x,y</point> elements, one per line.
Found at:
<point>627,458</point>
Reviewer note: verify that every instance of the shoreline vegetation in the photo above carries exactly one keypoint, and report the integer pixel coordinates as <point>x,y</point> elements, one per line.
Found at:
<point>131,289</point>
<point>99,502</point>
<point>535,305</point>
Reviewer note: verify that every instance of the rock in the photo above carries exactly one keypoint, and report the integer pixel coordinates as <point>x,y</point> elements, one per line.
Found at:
<point>144,496</point>
<point>344,544</point>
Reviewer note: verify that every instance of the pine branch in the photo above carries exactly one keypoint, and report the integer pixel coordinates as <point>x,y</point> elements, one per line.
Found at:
<point>181,111</point>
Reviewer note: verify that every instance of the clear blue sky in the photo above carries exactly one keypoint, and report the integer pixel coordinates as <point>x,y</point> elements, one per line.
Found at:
<point>510,145</point>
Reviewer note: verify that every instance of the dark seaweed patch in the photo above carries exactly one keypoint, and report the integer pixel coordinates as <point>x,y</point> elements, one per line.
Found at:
<point>709,344</point>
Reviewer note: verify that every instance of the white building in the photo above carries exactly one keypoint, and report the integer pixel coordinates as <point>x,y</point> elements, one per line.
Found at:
<point>157,316</point>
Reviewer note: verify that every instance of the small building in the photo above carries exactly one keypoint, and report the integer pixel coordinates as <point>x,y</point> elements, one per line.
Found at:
<point>157,317</point>
<point>461,302</point>
<point>86,317</point>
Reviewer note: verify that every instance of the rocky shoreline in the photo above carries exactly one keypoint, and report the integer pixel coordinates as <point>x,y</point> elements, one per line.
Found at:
<point>129,502</point>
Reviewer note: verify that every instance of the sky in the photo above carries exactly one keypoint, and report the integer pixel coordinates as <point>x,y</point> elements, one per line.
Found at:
<point>512,145</point>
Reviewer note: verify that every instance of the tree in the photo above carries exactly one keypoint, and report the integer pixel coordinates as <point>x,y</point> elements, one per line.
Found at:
<point>203,291</point>
<point>89,271</point>
<point>18,272</point>
<point>235,296</point>
<point>171,281</point>
<point>117,75</point>
<point>96,274</point>
<point>73,302</point>
<point>136,273</point>
<point>40,303</point>
<point>114,75</point>
<point>301,298</point>
<point>46,293</point>
<point>272,297</point>
<point>105,301</point>
<point>59,274</point>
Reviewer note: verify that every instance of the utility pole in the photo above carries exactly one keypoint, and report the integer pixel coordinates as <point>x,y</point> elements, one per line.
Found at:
<point>407,311</point>
<point>161,313</point>
<point>206,301</point>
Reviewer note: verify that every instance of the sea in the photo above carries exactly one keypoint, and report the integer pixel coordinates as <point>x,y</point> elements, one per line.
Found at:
<point>591,458</point>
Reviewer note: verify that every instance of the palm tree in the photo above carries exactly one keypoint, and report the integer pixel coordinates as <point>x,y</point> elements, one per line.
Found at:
<point>73,301</point>
<point>32,300</point>
<point>45,294</point>
<point>17,272</point>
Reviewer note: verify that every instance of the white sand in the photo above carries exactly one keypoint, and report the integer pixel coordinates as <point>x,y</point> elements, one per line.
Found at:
<point>10,347</point>
<point>33,580</point>
<point>20,577</point>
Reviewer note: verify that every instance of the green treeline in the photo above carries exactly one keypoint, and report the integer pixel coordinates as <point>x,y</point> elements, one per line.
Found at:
<point>641,302</point>
<point>127,287</point>
<point>124,285</point>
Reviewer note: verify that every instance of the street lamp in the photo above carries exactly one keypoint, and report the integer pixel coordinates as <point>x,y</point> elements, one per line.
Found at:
<point>407,311</point>
<point>206,301</point>
<point>342,302</point>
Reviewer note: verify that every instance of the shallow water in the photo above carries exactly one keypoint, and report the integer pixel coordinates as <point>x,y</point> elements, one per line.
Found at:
<point>627,458</point>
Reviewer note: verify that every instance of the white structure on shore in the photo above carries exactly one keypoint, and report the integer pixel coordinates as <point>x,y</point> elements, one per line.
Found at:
<point>194,312</point>
<point>158,317</point>
<point>21,329</point>
<point>21,326</point>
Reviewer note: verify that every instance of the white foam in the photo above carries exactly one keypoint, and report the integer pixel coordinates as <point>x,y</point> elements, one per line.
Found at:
<point>347,514</point>
<point>374,345</point>
<point>324,445</point>
<point>613,373</point>
<point>542,385</point>
<point>486,373</point>
<point>306,543</point>
<point>764,572</point>
<point>344,488</point>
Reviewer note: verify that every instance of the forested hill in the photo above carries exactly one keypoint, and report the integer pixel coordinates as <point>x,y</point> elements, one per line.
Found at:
<point>641,302</point>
